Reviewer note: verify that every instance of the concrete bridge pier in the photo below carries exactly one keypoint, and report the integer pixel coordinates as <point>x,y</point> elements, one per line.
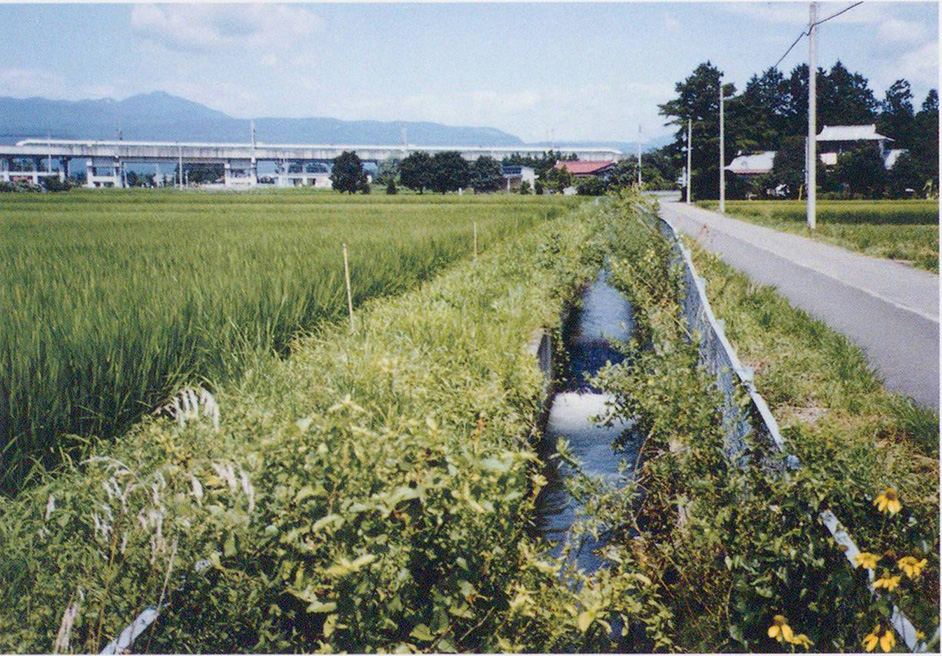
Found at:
<point>111,179</point>
<point>6,163</point>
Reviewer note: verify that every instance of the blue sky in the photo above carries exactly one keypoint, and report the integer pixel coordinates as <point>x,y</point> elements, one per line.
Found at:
<point>540,71</point>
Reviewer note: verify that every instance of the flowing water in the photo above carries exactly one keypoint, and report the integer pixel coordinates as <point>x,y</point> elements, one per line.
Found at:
<point>605,315</point>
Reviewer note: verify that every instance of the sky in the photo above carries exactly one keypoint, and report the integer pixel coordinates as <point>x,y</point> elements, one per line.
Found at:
<point>544,72</point>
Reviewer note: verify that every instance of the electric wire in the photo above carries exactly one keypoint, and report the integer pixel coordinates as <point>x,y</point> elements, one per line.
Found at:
<point>815,24</point>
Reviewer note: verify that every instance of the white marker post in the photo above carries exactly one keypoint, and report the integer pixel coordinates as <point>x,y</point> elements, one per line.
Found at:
<point>346,275</point>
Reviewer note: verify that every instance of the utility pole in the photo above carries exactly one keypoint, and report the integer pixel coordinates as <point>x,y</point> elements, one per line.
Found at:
<point>181,166</point>
<point>722,156</point>
<point>639,158</point>
<point>812,117</point>
<point>689,145</point>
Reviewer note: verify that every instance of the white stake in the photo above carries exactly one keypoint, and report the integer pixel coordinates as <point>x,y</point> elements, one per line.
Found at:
<point>346,275</point>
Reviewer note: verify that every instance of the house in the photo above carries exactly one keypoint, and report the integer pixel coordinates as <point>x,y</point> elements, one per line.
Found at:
<point>515,176</point>
<point>578,170</point>
<point>752,165</point>
<point>836,139</point>
<point>832,141</point>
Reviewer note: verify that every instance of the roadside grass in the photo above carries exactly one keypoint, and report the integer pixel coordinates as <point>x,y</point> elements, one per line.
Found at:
<point>111,299</point>
<point>834,411</point>
<point>736,549</point>
<point>896,230</point>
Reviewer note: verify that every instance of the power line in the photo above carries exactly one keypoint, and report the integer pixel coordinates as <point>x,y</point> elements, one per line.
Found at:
<point>842,11</point>
<point>815,24</point>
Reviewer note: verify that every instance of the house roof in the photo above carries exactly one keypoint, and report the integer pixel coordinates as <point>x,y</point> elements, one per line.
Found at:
<point>752,164</point>
<point>851,133</point>
<point>584,168</point>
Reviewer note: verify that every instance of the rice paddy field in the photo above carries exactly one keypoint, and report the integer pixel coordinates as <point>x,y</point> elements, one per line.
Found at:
<point>110,301</point>
<point>906,230</point>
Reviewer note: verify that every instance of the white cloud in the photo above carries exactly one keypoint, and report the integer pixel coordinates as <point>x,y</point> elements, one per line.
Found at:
<point>204,27</point>
<point>921,66</point>
<point>26,82</point>
<point>895,33</point>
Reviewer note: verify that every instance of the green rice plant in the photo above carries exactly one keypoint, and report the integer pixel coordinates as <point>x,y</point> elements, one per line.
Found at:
<point>370,493</point>
<point>109,301</point>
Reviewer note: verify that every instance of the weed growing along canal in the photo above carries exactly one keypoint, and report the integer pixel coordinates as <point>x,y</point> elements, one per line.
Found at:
<point>736,552</point>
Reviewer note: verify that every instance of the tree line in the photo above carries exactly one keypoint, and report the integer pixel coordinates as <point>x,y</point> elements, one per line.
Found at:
<point>772,114</point>
<point>444,172</point>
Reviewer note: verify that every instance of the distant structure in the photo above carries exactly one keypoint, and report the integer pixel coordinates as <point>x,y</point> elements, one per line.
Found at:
<point>105,161</point>
<point>752,165</point>
<point>515,176</point>
<point>832,141</point>
<point>588,169</point>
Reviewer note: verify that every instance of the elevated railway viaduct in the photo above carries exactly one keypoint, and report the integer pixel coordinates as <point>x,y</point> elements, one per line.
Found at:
<point>105,161</point>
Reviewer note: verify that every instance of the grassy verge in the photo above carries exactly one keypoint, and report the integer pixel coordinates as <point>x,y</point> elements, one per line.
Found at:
<point>371,492</point>
<point>896,230</point>
<point>109,299</point>
<point>736,551</point>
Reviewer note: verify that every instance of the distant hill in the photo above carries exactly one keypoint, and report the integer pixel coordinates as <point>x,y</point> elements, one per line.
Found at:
<point>161,116</point>
<point>627,147</point>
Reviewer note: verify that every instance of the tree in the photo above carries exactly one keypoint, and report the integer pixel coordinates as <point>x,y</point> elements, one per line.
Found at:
<point>592,186</point>
<point>558,179</point>
<point>925,146</point>
<point>391,187</point>
<point>844,98</point>
<point>486,175</point>
<point>388,170</point>
<point>525,189</point>
<point>862,172</point>
<point>347,174</point>
<point>698,100</point>
<point>415,171</point>
<point>897,119</point>
<point>761,113</point>
<point>788,168</point>
<point>542,164</point>
<point>450,172</point>
<point>904,176</point>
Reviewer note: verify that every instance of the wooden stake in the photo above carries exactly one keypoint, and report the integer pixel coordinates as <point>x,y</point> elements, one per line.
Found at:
<point>475,240</point>
<point>346,274</point>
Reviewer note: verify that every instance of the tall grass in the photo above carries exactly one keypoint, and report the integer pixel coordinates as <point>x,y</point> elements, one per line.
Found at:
<point>109,300</point>
<point>905,230</point>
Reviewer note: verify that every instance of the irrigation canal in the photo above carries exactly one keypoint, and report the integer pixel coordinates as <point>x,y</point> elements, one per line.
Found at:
<point>604,315</point>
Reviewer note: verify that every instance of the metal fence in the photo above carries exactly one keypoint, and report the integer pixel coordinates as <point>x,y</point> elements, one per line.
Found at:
<point>745,412</point>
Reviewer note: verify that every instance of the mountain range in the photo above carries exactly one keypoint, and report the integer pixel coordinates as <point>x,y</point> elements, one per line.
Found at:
<point>159,116</point>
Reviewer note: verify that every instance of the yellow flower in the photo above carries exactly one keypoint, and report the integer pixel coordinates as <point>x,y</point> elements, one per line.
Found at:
<point>871,639</point>
<point>888,502</point>
<point>801,640</point>
<point>911,566</point>
<point>866,559</point>
<point>888,582</point>
<point>780,629</point>
<point>888,641</point>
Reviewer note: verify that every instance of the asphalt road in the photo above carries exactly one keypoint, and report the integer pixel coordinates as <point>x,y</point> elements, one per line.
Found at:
<point>889,309</point>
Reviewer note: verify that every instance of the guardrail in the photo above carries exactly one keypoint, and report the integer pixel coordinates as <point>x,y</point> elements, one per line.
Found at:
<point>754,419</point>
